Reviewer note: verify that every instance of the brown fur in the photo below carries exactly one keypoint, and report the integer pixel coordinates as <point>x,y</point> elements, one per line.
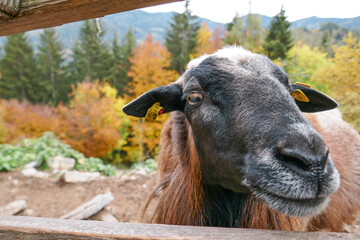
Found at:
<point>179,172</point>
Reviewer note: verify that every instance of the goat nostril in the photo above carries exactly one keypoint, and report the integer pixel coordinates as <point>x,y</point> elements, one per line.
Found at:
<point>293,160</point>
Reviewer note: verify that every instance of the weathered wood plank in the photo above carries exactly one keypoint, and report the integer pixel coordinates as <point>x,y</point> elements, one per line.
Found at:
<point>29,228</point>
<point>35,14</point>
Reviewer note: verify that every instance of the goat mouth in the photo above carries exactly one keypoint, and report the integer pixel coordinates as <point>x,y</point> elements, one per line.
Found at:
<point>291,206</point>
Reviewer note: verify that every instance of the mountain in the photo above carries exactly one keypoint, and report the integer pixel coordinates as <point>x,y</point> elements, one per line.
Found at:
<point>141,22</point>
<point>144,23</point>
<point>315,22</point>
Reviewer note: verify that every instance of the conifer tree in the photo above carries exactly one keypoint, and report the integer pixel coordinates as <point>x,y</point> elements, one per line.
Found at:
<point>278,39</point>
<point>181,39</point>
<point>91,55</point>
<point>235,34</point>
<point>51,68</point>
<point>120,61</point>
<point>248,34</point>
<point>18,78</point>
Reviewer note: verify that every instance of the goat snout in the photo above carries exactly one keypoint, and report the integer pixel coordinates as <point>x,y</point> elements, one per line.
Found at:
<point>308,160</point>
<point>304,162</point>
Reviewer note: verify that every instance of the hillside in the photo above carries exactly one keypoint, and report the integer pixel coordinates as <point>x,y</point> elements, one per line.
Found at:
<point>144,23</point>
<point>315,22</point>
<point>141,22</point>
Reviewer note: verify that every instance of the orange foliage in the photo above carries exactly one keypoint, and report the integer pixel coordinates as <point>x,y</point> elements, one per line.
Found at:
<point>148,67</point>
<point>148,70</point>
<point>91,123</point>
<point>24,120</point>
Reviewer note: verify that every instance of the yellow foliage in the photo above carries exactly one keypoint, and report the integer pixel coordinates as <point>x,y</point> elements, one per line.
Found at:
<point>343,79</point>
<point>208,41</point>
<point>93,123</point>
<point>302,62</point>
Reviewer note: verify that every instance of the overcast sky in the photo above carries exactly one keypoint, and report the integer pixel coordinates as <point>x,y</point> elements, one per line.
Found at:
<point>224,10</point>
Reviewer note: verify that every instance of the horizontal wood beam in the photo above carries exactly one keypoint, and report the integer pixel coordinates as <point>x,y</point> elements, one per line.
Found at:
<point>30,228</point>
<point>24,15</point>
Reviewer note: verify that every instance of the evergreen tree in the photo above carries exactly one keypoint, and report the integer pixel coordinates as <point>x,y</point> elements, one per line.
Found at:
<point>278,39</point>
<point>248,34</point>
<point>120,61</point>
<point>325,42</point>
<point>181,39</point>
<point>51,70</point>
<point>18,78</point>
<point>254,33</point>
<point>91,56</point>
<point>235,33</point>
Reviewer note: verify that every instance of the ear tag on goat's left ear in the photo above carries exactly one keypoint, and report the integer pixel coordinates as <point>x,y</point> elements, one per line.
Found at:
<point>300,96</point>
<point>154,111</point>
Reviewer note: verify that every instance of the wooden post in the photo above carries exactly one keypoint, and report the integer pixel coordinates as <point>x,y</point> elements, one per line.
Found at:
<point>30,228</point>
<point>20,16</point>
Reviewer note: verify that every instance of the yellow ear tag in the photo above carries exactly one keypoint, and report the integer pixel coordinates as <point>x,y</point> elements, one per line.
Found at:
<point>303,84</point>
<point>153,112</point>
<point>300,96</point>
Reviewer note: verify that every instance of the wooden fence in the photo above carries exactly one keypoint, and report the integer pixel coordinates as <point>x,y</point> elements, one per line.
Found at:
<point>30,228</point>
<point>24,15</point>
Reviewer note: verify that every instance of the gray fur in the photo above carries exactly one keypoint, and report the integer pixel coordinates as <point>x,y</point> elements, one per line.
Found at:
<point>247,113</point>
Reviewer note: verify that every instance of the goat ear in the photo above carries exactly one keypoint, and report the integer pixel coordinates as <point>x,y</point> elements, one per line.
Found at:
<point>311,100</point>
<point>169,97</point>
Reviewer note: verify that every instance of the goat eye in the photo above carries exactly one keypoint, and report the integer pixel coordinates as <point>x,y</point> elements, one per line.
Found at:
<point>194,98</point>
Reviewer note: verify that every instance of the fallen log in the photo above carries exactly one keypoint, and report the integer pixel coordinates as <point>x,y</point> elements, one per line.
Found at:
<point>89,208</point>
<point>13,207</point>
<point>76,176</point>
<point>105,216</point>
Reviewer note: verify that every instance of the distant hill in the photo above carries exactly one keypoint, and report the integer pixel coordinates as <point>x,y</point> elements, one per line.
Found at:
<point>144,23</point>
<point>141,22</point>
<point>315,22</point>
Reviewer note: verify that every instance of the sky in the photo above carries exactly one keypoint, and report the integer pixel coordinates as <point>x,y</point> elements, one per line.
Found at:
<point>224,10</point>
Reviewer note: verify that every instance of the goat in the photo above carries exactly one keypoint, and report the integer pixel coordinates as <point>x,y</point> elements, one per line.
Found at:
<point>237,151</point>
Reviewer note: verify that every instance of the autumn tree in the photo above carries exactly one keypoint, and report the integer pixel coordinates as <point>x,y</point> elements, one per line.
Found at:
<point>208,41</point>
<point>93,122</point>
<point>342,79</point>
<point>52,72</point>
<point>17,67</point>
<point>278,39</point>
<point>180,38</point>
<point>303,62</point>
<point>149,69</point>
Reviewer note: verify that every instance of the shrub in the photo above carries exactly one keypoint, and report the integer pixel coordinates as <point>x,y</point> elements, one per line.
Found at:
<point>42,150</point>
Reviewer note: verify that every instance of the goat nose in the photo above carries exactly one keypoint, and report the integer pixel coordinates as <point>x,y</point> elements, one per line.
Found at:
<point>305,161</point>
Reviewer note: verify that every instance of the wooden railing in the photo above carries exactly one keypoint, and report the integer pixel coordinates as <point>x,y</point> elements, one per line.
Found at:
<point>30,228</point>
<point>24,15</point>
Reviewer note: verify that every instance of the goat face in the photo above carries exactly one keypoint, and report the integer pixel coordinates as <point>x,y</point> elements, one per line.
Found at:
<point>249,132</point>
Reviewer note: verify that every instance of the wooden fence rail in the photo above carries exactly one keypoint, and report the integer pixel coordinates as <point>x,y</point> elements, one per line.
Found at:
<point>24,15</point>
<point>30,228</point>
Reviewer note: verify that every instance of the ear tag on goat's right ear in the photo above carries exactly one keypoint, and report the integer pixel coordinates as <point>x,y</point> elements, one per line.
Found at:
<point>154,111</point>
<point>303,84</point>
<point>300,96</point>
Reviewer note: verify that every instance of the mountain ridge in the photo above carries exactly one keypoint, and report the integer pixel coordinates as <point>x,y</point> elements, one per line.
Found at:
<point>144,23</point>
